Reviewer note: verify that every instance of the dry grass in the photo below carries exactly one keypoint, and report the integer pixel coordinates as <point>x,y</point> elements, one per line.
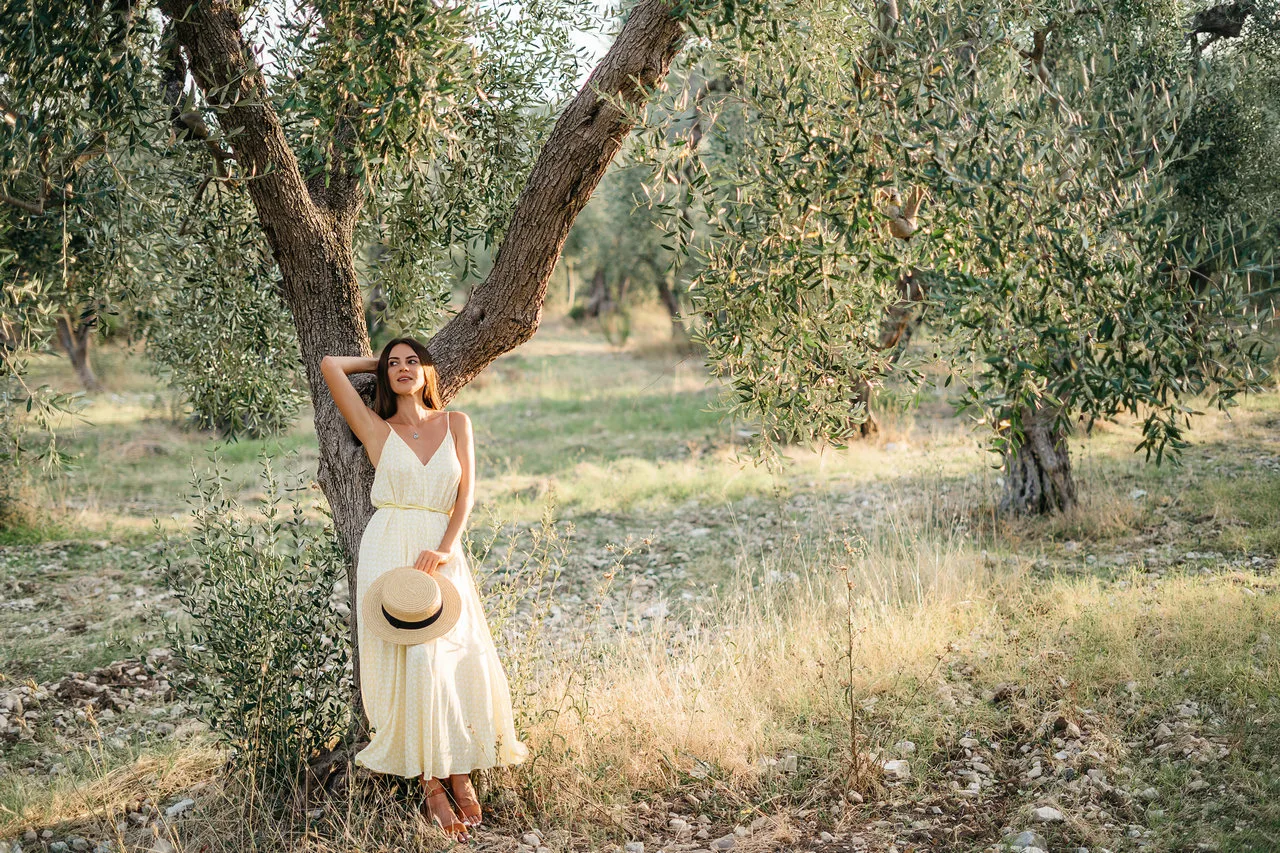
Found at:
<point>95,799</point>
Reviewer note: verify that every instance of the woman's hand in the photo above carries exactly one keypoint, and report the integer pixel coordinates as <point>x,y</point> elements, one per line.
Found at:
<point>429,561</point>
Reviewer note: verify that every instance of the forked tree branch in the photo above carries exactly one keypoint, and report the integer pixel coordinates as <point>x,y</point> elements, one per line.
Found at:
<point>505,309</point>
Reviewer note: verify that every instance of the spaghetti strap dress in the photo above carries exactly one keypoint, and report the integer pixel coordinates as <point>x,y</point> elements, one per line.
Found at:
<point>441,707</point>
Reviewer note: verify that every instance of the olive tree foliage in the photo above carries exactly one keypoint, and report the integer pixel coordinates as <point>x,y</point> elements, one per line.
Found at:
<point>222,334</point>
<point>1022,161</point>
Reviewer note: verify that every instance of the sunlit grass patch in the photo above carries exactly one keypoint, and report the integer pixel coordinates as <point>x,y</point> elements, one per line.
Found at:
<point>99,787</point>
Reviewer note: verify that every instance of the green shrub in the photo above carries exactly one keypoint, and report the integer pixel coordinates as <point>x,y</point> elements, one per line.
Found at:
<point>263,644</point>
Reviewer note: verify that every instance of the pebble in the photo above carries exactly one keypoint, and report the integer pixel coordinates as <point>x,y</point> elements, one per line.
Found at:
<point>1047,814</point>
<point>1026,838</point>
<point>678,826</point>
<point>635,847</point>
<point>59,847</point>
<point>896,770</point>
<point>904,747</point>
<point>162,845</point>
<point>78,844</point>
<point>724,842</point>
<point>179,808</point>
<point>826,837</point>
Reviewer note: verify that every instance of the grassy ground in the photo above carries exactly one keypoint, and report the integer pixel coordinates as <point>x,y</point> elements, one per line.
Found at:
<point>772,640</point>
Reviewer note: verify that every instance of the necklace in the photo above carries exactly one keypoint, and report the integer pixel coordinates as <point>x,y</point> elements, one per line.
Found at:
<point>413,430</point>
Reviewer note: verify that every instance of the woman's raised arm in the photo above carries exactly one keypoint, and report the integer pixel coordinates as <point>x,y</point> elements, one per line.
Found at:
<point>363,422</point>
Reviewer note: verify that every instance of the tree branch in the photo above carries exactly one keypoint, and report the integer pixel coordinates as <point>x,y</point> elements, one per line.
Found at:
<point>34,208</point>
<point>233,85</point>
<point>504,311</point>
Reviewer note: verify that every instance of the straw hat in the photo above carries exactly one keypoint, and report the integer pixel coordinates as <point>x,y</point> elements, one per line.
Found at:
<point>407,606</point>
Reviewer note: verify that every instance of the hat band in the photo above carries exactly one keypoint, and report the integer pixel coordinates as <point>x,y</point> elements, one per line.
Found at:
<point>421,623</point>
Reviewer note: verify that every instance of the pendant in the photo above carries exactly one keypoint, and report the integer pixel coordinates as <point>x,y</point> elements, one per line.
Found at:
<point>415,435</point>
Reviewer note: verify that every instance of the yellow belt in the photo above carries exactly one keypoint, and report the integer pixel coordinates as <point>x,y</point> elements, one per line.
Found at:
<point>411,506</point>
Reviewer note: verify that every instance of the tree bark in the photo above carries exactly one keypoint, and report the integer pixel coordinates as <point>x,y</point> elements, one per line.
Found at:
<point>74,341</point>
<point>309,226</point>
<point>1037,471</point>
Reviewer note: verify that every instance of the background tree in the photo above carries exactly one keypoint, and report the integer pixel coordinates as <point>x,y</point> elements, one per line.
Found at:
<point>619,244</point>
<point>1043,150</point>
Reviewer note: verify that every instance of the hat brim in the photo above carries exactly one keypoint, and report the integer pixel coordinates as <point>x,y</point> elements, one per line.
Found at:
<point>376,622</point>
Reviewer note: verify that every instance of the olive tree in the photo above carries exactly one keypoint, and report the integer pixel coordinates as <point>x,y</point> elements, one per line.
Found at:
<point>1019,168</point>
<point>420,124</point>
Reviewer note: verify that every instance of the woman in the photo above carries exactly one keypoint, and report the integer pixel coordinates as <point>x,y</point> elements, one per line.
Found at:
<point>442,708</point>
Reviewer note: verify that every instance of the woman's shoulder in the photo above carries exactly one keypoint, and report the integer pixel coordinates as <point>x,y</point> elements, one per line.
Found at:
<point>458,419</point>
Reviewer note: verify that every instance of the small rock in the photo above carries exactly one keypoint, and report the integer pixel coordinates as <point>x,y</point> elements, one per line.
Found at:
<point>854,797</point>
<point>969,743</point>
<point>904,747</point>
<point>1148,794</point>
<point>1047,814</point>
<point>59,847</point>
<point>724,842</point>
<point>678,826</point>
<point>896,770</point>
<point>702,833</point>
<point>1137,494</point>
<point>1026,838</point>
<point>179,808</point>
<point>78,844</point>
<point>634,847</point>
<point>162,845</point>
<point>826,837</point>
<point>531,839</point>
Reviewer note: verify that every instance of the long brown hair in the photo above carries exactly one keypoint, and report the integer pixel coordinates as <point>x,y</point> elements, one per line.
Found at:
<point>384,399</point>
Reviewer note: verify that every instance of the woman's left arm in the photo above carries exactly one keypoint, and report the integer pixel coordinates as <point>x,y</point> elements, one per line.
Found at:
<point>461,427</point>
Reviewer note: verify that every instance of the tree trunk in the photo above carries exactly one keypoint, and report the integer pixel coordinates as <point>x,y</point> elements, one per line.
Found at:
<point>599,302</point>
<point>1037,471</point>
<point>679,333</point>
<point>74,341</point>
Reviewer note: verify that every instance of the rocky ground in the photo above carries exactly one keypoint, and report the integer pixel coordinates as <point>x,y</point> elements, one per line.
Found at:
<point>1065,782</point>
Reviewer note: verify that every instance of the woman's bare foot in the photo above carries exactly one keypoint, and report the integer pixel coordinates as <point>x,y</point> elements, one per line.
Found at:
<point>464,794</point>
<point>439,810</point>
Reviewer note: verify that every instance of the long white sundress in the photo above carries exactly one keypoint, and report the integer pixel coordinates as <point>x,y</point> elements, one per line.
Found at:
<point>441,707</point>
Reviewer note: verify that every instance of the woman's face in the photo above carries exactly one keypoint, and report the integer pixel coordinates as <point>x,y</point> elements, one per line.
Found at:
<point>404,370</point>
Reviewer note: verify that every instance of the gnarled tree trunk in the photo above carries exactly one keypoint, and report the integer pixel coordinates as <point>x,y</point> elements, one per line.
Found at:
<point>1037,471</point>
